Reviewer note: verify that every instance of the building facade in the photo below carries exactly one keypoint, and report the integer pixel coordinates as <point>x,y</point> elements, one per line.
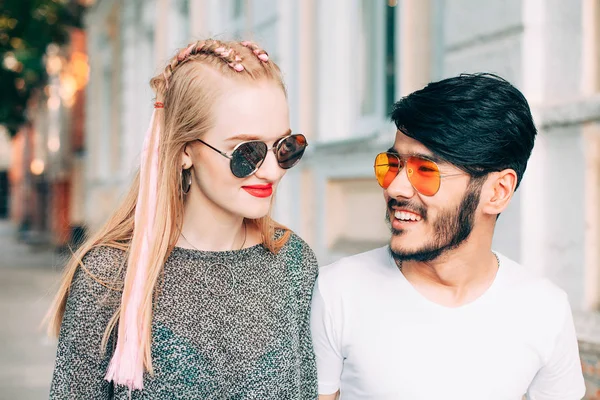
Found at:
<point>345,62</point>
<point>45,173</point>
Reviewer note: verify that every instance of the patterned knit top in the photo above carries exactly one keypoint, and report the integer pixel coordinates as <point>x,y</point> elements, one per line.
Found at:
<point>226,325</point>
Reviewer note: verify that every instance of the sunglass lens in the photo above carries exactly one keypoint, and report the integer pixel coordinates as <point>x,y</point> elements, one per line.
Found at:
<point>424,175</point>
<point>247,158</point>
<point>387,167</point>
<point>290,150</point>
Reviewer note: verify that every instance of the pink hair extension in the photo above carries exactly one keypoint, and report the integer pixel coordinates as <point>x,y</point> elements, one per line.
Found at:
<point>260,53</point>
<point>127,364</point>
<point>185,53</point>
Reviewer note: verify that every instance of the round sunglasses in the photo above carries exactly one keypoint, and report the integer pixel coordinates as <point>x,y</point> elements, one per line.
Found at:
<point>423,174</point>
<point>247,157</point>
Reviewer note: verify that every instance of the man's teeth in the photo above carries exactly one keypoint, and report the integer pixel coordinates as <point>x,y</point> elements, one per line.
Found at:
<point>406,216</point>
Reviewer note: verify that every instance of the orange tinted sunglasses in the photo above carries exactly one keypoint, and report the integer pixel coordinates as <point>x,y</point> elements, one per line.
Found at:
<point>423,174</point>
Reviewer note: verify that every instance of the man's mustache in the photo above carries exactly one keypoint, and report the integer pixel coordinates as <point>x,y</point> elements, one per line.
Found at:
<point>408,206</point>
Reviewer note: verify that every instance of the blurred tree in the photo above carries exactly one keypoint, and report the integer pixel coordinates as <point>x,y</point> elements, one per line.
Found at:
<point>27,28</point>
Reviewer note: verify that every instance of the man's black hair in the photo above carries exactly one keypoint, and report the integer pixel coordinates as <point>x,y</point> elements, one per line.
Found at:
<point>477,122</point>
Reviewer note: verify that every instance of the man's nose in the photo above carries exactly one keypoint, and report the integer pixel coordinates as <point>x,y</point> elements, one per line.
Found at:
<point>401,186</point>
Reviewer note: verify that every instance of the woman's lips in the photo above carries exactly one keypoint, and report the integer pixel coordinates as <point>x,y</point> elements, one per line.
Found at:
<point>259,190</point>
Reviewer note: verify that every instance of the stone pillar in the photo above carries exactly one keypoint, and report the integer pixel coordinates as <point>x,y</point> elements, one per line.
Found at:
<point>335,58</point>
<point>198,19</point>
<point>415,45</point>
<point>533,196</point>
<point>307,114</point>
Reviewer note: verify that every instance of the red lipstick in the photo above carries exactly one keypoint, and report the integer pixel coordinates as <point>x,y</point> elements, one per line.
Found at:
<point>259,190</point>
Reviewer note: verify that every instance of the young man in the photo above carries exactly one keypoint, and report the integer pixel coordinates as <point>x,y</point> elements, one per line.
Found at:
<point>437,314</point>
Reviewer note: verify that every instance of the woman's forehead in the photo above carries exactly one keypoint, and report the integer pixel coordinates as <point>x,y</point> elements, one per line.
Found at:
<point>254,112</point>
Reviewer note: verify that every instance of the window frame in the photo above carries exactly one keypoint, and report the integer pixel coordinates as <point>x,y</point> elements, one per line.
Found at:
<point>367,124</point>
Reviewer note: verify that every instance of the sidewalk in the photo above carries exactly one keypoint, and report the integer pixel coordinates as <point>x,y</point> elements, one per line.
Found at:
<point>28,279</point>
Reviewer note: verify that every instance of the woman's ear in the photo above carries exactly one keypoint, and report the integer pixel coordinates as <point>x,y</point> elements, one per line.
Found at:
<point>186,158</point>
<point>498,191</point>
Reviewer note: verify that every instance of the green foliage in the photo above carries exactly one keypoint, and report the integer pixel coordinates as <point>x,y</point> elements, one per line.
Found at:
<point>27,27</point>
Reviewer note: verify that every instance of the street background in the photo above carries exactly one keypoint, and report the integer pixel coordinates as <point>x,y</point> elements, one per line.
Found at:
<point>75,102</point>
<point>26,353</point>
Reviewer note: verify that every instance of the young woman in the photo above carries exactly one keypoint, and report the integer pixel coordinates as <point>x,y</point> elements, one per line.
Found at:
<point>191,290</point>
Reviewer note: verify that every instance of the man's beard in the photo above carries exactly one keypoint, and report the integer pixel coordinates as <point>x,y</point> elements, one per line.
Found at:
<point>451,228</point>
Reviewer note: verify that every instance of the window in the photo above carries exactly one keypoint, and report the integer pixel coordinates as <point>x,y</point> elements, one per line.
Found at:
<point>184,20</point>
<point>355,67</point>
<point>366,57</point>
<point>227,18</point>
<point>390,55</point>
<point>374,64</point>
<point>238,9</point>
<point>177,33</point>
<point>369,34</point>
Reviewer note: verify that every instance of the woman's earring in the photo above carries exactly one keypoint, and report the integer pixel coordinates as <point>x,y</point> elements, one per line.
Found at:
<point>186,180</point>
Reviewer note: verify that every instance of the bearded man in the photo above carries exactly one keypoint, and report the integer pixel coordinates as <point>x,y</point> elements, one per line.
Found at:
<point>437,314</point>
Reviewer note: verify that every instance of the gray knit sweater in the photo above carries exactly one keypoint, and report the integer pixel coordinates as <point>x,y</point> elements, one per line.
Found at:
<point>227,325</point>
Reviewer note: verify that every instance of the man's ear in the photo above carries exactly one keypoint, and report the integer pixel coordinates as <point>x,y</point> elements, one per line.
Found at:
<point>497,191</point>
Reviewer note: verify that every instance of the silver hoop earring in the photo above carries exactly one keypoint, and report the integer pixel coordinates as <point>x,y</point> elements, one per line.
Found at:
<point>186,180</point>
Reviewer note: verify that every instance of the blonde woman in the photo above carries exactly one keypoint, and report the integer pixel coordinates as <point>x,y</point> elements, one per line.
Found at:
<point>191,290</point>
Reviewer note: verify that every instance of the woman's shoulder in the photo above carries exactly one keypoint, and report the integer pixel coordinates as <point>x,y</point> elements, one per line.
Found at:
<point>297,241</point>
<point>301,263</point>
<point>97,281</point>
<point>299,251</point>
<point>104,262</point>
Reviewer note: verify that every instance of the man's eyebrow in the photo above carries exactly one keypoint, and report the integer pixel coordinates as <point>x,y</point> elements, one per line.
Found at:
<point>429,157</point>
<point>245,137</point>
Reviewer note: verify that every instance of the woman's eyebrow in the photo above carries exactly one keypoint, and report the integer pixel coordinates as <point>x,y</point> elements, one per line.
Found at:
<point>246,137</point>
<point>242,137</point>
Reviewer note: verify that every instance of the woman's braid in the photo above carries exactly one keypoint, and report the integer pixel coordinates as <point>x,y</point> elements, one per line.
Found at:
<point>214,48</point>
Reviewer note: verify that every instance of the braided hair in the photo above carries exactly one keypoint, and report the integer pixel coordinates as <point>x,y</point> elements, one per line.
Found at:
<point>240,57</point>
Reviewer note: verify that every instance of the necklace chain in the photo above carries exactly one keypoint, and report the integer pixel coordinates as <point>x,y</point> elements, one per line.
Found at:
<point>218,277</point>
<point>241,247</point>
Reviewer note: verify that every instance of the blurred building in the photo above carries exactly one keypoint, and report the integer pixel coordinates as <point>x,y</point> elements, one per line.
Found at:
<point>46,170</point>
<point>5,160</point>
<point>345,62</point>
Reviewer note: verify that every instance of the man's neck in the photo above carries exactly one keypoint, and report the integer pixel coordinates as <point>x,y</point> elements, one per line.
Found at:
<point>459,276</point>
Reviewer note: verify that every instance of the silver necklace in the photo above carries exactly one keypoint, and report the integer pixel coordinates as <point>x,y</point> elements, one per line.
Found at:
<point>218,277</point>
<point>399,262</point>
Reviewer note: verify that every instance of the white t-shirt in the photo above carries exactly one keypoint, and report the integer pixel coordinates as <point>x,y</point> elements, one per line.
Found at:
<point>376,337</point>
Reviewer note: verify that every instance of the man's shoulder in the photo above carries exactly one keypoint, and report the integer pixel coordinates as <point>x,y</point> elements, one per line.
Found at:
<point>538,307</point>
<point>530,289</point>
<point>524,276</point>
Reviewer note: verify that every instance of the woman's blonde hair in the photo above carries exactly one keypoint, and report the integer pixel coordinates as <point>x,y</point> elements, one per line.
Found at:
<point>188,88</point>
